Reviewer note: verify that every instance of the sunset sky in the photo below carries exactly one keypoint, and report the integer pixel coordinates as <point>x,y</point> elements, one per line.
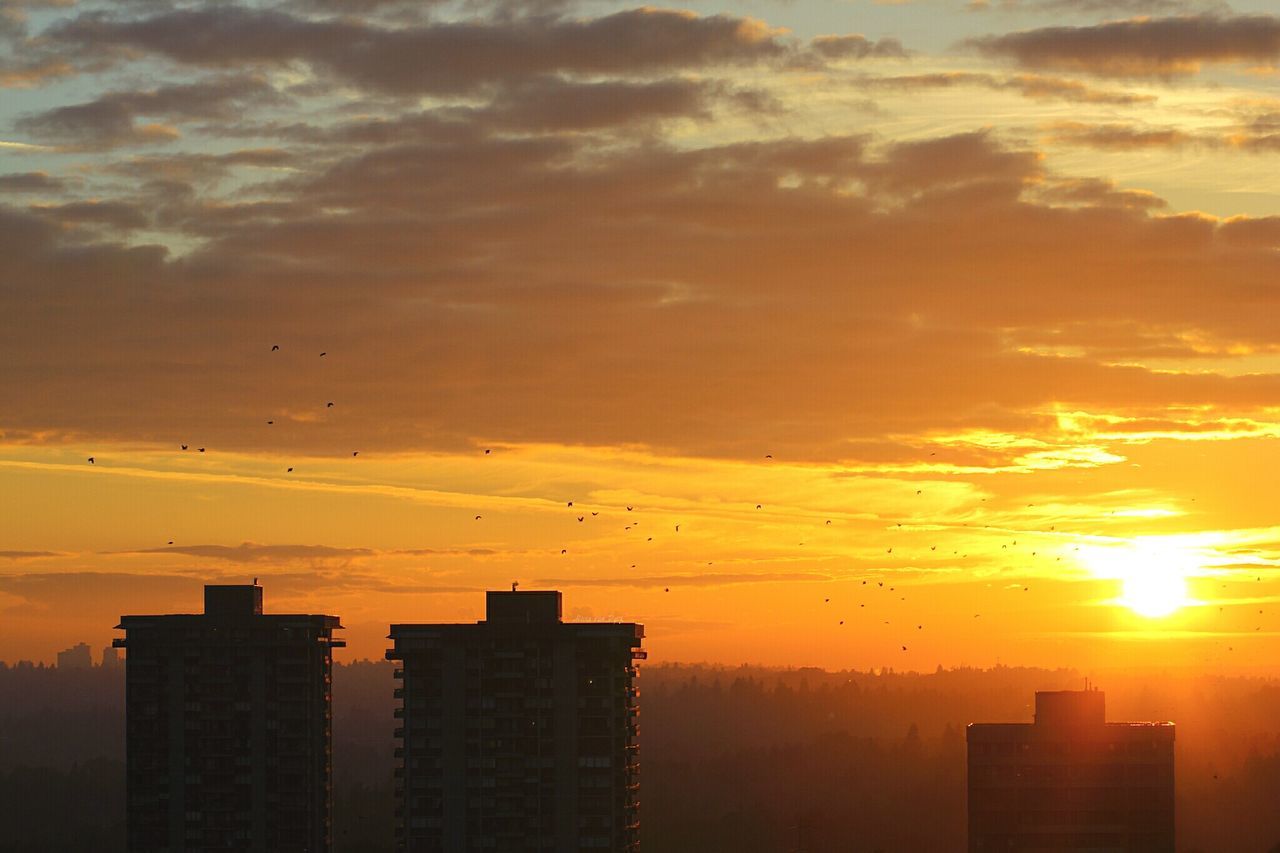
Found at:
<point>858,334</point>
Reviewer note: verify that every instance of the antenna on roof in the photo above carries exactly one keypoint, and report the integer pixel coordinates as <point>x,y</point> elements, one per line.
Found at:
<point>514,584</point>
<point>255,581</point>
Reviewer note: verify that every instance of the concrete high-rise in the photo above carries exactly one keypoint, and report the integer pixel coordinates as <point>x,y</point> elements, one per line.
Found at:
<point>79,656</point>
<point>1071,781</point>
<point>228,727</point>
<point>518,733</point>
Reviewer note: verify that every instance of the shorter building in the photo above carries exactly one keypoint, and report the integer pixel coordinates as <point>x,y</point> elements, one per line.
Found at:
<point>518,732</point>
<point>228,728</point>
<point>110,657</point>
<point>1071,781</point>
<point>79,656</point>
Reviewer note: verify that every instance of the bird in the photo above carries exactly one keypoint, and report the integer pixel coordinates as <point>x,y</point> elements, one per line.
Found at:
<point>904,648</point>
<point>841,621</point>
<point>355,453</point>
<point>487,451</point>
<point>629,509</point>
<point>768,456</point>
<point>667,589</point>
<point>329,405</point>
<point>275,347</point>
<point>677,528</point>
<point>757,506</point>
<point>90,460</point>
<point>170,541</point>
<point>890,551</point>
<point>564,550</point>
<point>269,423</point>
<point>595,513</point>
<point>581,518</point>
<point>289,471</point>
<point>569,504</point>
<point>918,491</point>
<point>828,521</point>
<point>201,449</point>
<point>184,447</point>
<point>477,518</point>
<point>323,354</point>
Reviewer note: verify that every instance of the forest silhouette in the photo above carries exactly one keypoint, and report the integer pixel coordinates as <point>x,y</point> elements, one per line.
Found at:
<point>744,759</point>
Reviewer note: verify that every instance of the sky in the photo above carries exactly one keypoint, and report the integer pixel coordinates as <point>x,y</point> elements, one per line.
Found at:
<point>819,332</point>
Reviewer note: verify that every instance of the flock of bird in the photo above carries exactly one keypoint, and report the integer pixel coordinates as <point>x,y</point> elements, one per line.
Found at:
<point>634,523</point>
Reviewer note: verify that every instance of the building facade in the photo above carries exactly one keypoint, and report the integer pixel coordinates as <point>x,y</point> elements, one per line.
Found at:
<point>1071,781</point>
<point>228,728</point>
<point>79,656</point>
<point>519,732</point>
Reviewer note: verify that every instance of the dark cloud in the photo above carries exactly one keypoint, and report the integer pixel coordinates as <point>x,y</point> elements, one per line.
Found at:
<point>26,555</point>
<point>112,119</point>
<point>1119,137</point>
<point>112,214</point>
<point>31,182</point>
<point>552,289</point>
<point>437,58</point>
<point>1142,47</point>
<point>1110,7</point>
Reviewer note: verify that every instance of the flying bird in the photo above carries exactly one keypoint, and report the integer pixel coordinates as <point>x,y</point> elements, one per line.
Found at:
<point>629,509</point>
<point>184,447</point>
<point>487,451</point>
<point>323,354</point>
<point>355,453</point>
<point>581,518</point>
<point>595,513</point>
<point>570,503</point>
<point>677,528</point>
<point>90,460</point>
<point>275,347</point>
<point>564,550</point>
<point>170,541</point>
<point>269,423</point>
<point>201,449</point>
<point>477,518</point>
<point>667,589</point>
<point>330,406</point>
<point>290,471</point>
<point>768,456</point>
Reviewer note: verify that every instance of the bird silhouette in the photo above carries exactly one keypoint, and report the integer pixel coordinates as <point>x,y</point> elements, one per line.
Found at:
<point>275,347</point>
<point>330,406</point>
<point>184,447</point>
<point>569,504</point>
<point>564,550</point>
<point>629,509</point>
<point>581,518</point>
<point>355,453</point>
<point>487,451</point>
<point>477,518</point>
<point>170,541</point>
<point>667,589</point>
<point>323,354</point>
<point>768,456</point>
<point>595,513</point>
<point>757,506</point>
<point>269,423</point>
<point>91,460</point>
<point>289,471</point>
<point>200,449</point>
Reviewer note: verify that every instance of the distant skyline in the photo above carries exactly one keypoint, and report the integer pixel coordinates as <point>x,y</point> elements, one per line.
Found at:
<point>848,334</point>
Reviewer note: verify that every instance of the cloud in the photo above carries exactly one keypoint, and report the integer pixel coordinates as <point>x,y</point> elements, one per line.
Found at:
<point>699,580</point>
<point>26,555</point>
<point>1118,137</point>
<point>249,552</point>
<point>31,182</point>
<point>441,58</point>
<point>1142,47</point>
<point>1036,86</point>
<point>1110,7</point>
<point>121,216</point>
<point>856,47</point>
<point>112,120</point>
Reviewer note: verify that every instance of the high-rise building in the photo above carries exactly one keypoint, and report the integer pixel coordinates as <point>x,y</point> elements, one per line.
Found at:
<point>79,656</point>
<point>228,727</point>
<point>110,657</point>
<point>1071,781</point>
<point>518,733</point>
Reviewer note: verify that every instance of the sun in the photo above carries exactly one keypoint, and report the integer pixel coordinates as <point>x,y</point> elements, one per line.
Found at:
<point>1152,573</point>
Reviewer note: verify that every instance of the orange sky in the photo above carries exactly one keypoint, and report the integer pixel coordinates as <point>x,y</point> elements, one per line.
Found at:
<point>950,322</point>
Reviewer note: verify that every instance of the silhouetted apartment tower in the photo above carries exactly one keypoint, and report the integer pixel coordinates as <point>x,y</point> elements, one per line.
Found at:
<point>518,733</point>
<point>1071,781</point>
<point>228,727</point>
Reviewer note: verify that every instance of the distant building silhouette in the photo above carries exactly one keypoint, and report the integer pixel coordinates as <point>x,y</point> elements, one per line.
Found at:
<point>1071,781</point>
<point>110,657</point>
<point>228,727</point>
<point>518,732</point>
<point>79,656</point>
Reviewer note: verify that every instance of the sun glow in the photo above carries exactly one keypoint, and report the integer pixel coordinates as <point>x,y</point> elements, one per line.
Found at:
<point>1152,574</point>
